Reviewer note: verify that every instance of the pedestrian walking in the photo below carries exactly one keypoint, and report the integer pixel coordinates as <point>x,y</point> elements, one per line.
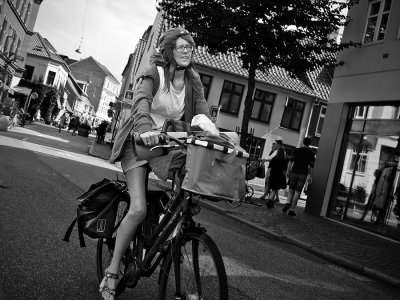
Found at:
<point>277,174</point>
<point>101,131</point>
<point>299,172</point>
<point>61,123</point>
<point>267,190</point>
<point>75,124</point>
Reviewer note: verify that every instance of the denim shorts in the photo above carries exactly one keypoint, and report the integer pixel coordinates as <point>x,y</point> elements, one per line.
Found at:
<point>133,156</point>
<point>297,181</point>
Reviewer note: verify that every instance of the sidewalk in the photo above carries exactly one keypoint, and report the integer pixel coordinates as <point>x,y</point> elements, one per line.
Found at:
<point>344,245</point>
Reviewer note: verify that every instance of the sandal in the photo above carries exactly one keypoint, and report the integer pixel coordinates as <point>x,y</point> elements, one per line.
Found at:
<point>108,293</point>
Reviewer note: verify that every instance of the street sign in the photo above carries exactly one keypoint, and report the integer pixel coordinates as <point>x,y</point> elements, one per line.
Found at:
<point>214,112</point>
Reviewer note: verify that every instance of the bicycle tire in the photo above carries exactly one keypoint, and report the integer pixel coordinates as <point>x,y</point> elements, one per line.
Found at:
<point>203,275</point>
<point>105,246</point>
<point>249,191</point>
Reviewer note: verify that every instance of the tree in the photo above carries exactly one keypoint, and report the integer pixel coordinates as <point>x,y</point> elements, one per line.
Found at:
<point>292,34</point>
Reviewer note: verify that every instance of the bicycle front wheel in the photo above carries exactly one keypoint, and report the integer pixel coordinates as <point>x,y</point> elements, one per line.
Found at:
<point>202,270</point>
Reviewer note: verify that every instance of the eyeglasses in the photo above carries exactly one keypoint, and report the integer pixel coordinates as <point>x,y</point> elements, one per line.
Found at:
<point>181,48</point>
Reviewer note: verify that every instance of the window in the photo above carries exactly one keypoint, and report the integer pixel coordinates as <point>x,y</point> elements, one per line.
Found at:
<point>362,160</point>
<point>293,114</point>
<point>378,15</point>
<point>262,106</point>
<point>28,11</point>
<point>149,41</point>
<point>28,72</point>
<point>22,10</point>
<point>230,97</point>
<point>206,81</point>
<point>18,46</point>
<point>50,78</point>
<point>3,30</point>
<point>254,146</point>
<point>321,119</point>
<point>17,4</point>
<point>359,112</point>
<point>14,39</point>
<point>7,40</point>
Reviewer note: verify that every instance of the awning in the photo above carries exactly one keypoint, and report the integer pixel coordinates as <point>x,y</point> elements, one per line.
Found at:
<point>22,90</point>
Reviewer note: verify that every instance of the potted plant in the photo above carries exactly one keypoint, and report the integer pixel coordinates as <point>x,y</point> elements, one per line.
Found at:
<point>359,194</point>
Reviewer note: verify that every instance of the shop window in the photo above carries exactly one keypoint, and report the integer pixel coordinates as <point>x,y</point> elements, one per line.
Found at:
<point>50,78</point>
<point>321,120</point>
<point>293,114</point>
<point>367,183</point>
<point>206,81</point>
<point>378,16</point>
<point>262,106</point>
<point>231,97</point>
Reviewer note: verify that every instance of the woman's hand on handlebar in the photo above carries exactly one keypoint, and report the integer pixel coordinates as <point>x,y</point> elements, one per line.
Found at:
<point>150,138</point>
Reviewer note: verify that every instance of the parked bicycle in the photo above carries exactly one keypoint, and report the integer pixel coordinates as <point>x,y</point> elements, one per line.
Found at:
<point>191,266</point>
<point>251,173</point>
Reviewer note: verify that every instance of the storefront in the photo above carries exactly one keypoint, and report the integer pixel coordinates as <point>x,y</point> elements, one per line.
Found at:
<point>365,185</point>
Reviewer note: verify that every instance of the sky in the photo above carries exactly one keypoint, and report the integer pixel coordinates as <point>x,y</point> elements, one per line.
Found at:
<point>110,28</point>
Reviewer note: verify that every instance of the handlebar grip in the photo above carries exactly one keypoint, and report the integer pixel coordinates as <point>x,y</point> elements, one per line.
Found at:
<point>164,138</point>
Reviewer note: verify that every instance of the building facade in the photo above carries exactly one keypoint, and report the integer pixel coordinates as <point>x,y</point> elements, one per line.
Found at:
<point>357,166</point>
<point>99,84</point>
<point>17,21</point>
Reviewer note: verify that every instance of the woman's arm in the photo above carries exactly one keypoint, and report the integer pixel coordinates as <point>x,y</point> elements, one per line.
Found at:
<point>199,102</point>
<point>270,157</point>
<point>142,100</point>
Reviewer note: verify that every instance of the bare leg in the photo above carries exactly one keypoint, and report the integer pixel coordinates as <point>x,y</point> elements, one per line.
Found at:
<point>290,196</point>
<point>135,180</point>
<point>295,199</point>
<point>266,191</point>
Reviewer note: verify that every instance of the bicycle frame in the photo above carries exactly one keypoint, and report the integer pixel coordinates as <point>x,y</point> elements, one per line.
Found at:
<point>177,214</point>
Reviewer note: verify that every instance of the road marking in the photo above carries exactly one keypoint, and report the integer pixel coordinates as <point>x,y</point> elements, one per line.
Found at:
<point>54,152</point>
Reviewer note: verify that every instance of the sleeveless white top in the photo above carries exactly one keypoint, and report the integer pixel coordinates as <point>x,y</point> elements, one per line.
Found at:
<point>166,105</point>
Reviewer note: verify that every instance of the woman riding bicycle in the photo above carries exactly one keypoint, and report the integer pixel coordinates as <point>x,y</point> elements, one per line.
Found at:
<point>169,89</point>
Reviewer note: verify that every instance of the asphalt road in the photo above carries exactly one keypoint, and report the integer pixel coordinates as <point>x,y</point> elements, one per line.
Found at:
<point>41,174</point>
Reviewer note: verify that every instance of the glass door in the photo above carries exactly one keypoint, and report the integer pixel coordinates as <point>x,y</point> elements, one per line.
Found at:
<point>367,187</point>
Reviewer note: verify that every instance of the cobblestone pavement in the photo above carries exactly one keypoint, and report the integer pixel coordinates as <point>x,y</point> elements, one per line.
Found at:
<point>344,245</point>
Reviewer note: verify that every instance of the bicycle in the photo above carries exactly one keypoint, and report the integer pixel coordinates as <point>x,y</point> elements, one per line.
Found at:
<point>191,265</point>
<point>250,174</point>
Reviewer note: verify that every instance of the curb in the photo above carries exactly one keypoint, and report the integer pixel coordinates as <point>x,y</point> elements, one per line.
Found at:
<point>343,262</point>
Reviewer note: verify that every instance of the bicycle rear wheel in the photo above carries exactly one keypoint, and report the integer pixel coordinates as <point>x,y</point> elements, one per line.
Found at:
<point>202,270</point>
<point>105,246</point>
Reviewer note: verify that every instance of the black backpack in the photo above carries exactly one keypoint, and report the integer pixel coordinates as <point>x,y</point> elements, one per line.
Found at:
<point>97,210</point>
